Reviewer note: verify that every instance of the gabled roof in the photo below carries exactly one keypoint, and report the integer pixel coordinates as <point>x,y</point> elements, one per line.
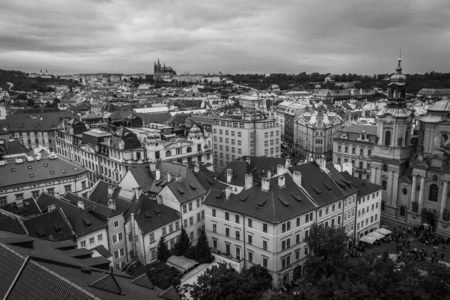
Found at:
<point>208,179</point>
<point>186,189</point>
<point>170,294</point>
<point>13,147</point>
<point>364,187</point>
<point>11,223</point>
<point>318,184</point>
<point>107,283</point>
<point>154,118</point>
<point>81,221</point>
<point>341,181</point>
<point>100,211</point>
<point>150,215</point>
<point>103,251</point>
<point>143,281</point>
<point>143,177</point>
<point>279,204</point>
<point>240,168</point>
<point>99,194</point>
<point>29,208</point>
<point>51,226</point>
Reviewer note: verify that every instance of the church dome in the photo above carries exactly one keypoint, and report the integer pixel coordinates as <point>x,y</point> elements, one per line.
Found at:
<point>398,76</point>
<point>440,106</point>
<point>195,129</point>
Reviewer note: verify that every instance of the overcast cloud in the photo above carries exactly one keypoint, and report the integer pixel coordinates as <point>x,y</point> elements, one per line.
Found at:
<point>232,36</point>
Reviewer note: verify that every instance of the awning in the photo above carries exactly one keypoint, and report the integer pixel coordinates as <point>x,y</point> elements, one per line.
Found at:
<point>383,231</point>
<point>181,263</point>
<point>367,239</point>
<point>376,235</point>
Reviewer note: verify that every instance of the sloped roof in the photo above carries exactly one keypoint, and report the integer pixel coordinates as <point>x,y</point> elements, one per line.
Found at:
<point>30,280</point>
<point>103,251</point>
<point>107,283</point>
<point>29,208</point>
<point>99,194</point>
<point>181,263</point>
<point>240,168</point>
<point>143,281</point>
<point>15,174</point>
<point>187,188</point>
<point>98,210</point>
<point>274,206</point>
<point>13,147</point>
<point>208,179</point>
<point>154,118</point>
<point>318,184</point>
<point>150,215</point>
<point>11,223</point>
<point>364,187</point>
<point>341,181</point>
<point>143,177</point>
<point>51,226</point>
<point>81,221</point>
<point>170,294</point>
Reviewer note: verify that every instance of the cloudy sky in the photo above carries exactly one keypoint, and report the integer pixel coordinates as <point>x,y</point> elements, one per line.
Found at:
<point>232,36</point>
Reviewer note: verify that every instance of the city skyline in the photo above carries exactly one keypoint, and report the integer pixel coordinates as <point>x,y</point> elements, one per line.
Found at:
<point>232,37</point>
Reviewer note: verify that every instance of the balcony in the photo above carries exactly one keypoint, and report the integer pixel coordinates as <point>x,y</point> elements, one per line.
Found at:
<point>219,257</point>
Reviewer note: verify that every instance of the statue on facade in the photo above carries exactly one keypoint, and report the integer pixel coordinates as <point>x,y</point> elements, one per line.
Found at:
<point>446,215</point>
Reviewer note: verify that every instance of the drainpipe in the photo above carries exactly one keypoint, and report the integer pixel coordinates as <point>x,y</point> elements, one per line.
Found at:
<point>133,238</point>
<point>245,261</point>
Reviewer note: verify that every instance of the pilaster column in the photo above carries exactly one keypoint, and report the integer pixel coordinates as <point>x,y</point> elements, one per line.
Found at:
<point>395,188</point>
<point>422,191</point>
<point>444,198</point>
<point>413,191</point>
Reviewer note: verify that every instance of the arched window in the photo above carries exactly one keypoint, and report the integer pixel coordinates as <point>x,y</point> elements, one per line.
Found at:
<point>387,138</point>
<point>433,194</point>
<point>189,150</point>
<point>384,184</point>
<point>168,153</point>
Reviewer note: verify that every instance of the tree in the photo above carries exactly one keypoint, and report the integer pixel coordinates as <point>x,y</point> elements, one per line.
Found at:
<point>183,244</point>
<point>202,251</point>
<point>163,276</point>
<point>327,246</point>
<point>223,282</point>
<point>163,252</point>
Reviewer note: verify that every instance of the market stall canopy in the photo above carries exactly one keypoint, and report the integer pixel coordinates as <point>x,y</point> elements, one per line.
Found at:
<point>367,239</point>
<point>376,235</point>
<point>383,231</point>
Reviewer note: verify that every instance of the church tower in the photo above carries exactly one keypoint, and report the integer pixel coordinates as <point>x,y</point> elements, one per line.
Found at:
<point>393,144</point>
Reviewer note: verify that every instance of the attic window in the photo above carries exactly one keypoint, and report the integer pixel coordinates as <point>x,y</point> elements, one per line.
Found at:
<point>297,197</point>
<point>147,214</point>
<point>327,186</point>
<point>262,202</point>
<point>219,195</point>
<point>192,186</point>
<point>64,170</point>
<point>30,167</point>
<point>45,165</point>
<point>244,197</point>
<point>283,201</point>
<point>40,232</point>
<point>87,222</point>
<point>13,170</point>
<point>346,181</point>
<point>52,172</point>
<point>76,169</point>
<point>157,211</point>
<point>316,189</point>
<point>57,227</point>
<point>210,181</point>
<point>31,175</point>
<point>158,182</point>
<point>180,190</point>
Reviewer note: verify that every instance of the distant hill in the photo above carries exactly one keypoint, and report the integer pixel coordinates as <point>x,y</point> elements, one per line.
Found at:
<point>23,83</point>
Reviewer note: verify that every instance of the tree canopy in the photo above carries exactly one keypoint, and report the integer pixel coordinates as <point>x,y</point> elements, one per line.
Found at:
<point>221,282</point>
<point>163,251</point>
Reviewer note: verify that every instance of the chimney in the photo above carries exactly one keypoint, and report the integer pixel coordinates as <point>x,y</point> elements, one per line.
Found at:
<point>227,192</point>
<point>158,174</point>
<point>19,203</point>
<point>159,199</point>
<point>248,181</point>
<point>169,177</point>
<point>138,192</point>
<point>288,163</point>
<point>178,177</point>
<point>80,204</point>
<point>323,163</point>
<point>51,207</point>
<point>196,167</point>
<point>229,175</point>
<point>281,181</point>
<point>280,170</point>
<point>110,191</point>
<point>247,160</point>
<point>111,204</point>
<point>297,177</point>
<point>265,184</point>
<point>269,174</point>
<point>152,167</point>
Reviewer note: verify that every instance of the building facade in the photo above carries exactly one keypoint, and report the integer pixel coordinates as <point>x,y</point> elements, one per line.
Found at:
<point>314,132</point>
<point>354,144</point>
<point>233,138</point>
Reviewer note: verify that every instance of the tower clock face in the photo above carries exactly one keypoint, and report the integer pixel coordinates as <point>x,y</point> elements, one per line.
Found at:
<point>385,168</point>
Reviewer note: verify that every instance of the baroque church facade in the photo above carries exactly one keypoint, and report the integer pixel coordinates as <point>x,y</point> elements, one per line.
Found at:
<point>414,178</point>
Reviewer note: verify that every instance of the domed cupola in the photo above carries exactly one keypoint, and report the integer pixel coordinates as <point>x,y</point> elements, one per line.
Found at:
<point>195,132</point>
<point>153,138</point>
<point>398,76</point>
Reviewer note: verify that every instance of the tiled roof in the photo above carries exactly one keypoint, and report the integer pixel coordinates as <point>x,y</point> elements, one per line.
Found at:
<point>99,194</point>
<point>11,223</point>
<point>81,221</point>
<point>107,283</point>
<point>51,225</point>
<point>100,211</point>
<point>17,124</point>
<point>186,189</point>
<point>143,281</point>
<point>150,215</point>
<point>240,168</point>
<point>29,208</point>
<point>154,118</point>
<point>318,184</point>
<point>170,294</point>
<point>13,147</point>
<point>208,179</point>
<point>143,177</point>
<point>341,181</point>
<point>359,128</point>
<point>30,280</point>
<point>37,171</point>
<point>276,205</point>
<point>365,187</point>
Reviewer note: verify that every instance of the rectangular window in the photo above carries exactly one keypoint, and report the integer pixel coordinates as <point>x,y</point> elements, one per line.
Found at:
<point>264,245</point>
<point>237,219</point>
<point>265,259</point>
<point>116,223</point>
<point>199,217</point>
<point>238,235</point>
<point>191,221</point>
<point>91,240</point>
<point>120,236</point>
<point>190,206</point>
<point>227,249</point>
<point>122,252</point>
<point>67,188</point>
<point>227,231</point>
<point>116,256</point>
<point>114,238</point>
<point>152,237</point>
<point>250,239</point>
<point>214,228</point>
<point>83,244</point>
<point>250,223</point>
<point>184,208</point>
<point>213,212</point>
<point>264,227</point>
<point>185,224</point>
<point>227,216</point>
<point>100,237</point>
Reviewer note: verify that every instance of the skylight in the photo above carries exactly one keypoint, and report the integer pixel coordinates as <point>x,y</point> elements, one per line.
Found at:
<point>316,189</point>
<point>283,201</point>
<point>262,202</point>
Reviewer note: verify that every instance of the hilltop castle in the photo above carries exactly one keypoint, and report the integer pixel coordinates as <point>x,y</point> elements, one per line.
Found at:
<point>162,72</point>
